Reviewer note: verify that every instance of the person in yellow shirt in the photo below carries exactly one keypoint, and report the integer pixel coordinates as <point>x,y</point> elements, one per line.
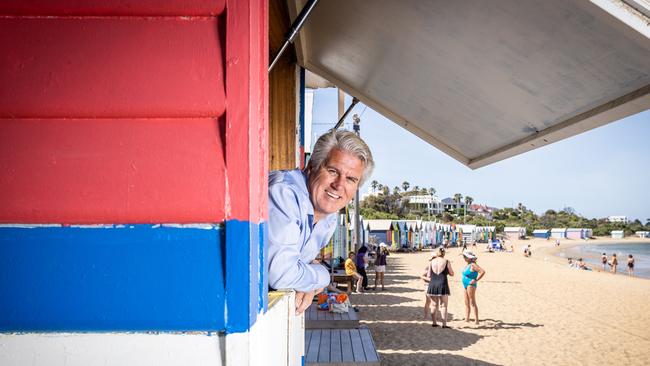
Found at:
<point>351,270</point>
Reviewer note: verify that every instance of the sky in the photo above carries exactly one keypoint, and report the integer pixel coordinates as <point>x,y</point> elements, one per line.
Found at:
<point>598,173</point>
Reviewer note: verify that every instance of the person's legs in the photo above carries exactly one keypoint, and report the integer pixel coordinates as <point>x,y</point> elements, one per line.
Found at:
<point>466,294</point>
<point>444,302</point>
<point>364,276</point>
<point>376,278</point>
<point>381,280</point>
<point>436,302</point>
<point>427,306</point>
<point>471,291</point>
<point>359,279</point>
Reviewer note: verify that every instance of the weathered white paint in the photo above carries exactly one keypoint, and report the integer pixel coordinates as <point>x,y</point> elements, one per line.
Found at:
<point>277,338</point>
<point>110,349</point>
<point>482,81</point>
<point>628,14</point>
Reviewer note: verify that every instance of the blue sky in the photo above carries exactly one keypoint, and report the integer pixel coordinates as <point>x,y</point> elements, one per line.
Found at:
<point>602,172</point>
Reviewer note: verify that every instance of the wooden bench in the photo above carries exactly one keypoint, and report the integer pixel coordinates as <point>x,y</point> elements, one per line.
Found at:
<point>319,319</point>
<point>341,277</point>
<point>342,347</point>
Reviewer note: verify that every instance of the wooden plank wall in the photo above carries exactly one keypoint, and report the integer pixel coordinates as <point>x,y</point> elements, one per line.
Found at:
<point>283,92</point>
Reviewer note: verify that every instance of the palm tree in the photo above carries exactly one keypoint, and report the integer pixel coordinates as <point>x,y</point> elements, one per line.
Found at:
<point>468,201</point>
<point>374,184</point>
<point>385,189</point>
<point>406,186</point>
<point>432,191</point>
<point>395,190</point>
<point>457,198</point>
<point>416,189</point>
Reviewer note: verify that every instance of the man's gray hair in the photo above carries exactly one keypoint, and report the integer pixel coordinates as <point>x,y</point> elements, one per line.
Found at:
<point>345,141</point>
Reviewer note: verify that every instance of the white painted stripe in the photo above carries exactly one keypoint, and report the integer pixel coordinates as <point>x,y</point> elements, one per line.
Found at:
<point>110,349</point>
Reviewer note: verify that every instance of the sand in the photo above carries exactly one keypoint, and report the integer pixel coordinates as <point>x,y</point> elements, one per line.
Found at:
<point>533,311</point>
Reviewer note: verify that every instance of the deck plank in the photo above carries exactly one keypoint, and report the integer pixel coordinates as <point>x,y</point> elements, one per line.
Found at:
<point>312,350</point>
<point>335,347</point>
<point>357,346</point>
<point>346,346</point>
<point>368,345</point>
<point>324,348</point>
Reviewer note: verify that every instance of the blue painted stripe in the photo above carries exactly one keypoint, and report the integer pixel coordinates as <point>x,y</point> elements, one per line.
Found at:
<point>112,278</point>
<point>245,274</point>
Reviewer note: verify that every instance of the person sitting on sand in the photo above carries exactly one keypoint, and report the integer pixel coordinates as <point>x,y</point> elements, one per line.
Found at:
<point>438,289</point>
<point>351,270</point>
<point>582,265</point>
<point>603,261</point>
<point>471,275</point>
<point>630,265</point>
<point>614,263</point>
<point>570,260</point>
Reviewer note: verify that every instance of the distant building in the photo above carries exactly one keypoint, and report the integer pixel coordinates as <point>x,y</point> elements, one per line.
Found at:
<point>448,204</point>
<point>429,202</point>
<point>542,233</point>
<point>574,233</point>
<point>643,234</point>
<point>515,232</point>
<point>481,210</point>
<point>622,219</point>
<point>618,234</point>
<point>558,233</point>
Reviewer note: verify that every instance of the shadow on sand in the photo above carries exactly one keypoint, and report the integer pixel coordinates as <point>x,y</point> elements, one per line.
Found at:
<point>426,338</point>
<point>378,298</point>
<point>499,324</point>
<point>425,359</point>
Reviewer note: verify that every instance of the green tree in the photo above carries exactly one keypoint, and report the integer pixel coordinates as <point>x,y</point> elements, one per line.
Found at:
<point>405,186</point>
<point>374,184</point>
<point>458,199</point>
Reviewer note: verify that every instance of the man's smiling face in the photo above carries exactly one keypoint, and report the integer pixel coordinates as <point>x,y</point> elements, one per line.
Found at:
<point>334,184</point>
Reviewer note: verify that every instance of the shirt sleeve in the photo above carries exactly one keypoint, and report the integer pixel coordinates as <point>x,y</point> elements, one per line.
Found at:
<point>286,268</point>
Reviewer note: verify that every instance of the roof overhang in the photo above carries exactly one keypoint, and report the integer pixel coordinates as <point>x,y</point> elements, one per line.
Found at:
<point>484,81</point>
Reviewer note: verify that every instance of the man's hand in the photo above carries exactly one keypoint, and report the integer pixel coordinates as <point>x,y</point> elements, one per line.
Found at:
<point>304,299</point>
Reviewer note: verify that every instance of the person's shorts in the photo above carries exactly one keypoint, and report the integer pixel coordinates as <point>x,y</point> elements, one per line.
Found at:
<point>380,269</point>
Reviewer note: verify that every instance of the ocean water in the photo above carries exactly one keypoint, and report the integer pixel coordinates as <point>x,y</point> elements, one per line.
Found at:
<point>591,255</point>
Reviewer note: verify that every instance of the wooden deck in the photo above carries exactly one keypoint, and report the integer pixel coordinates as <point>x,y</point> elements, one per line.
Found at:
<point>341,347</point>
<point>319,319</point>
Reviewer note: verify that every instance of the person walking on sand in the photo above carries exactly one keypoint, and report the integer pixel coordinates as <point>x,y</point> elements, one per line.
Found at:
<point>471,275</point>
<point>380,265</point>
<point>351,270</point>
<point>438,289</point>
<point>614,263</point>
<point>603,260</point>
<point>630,265</point>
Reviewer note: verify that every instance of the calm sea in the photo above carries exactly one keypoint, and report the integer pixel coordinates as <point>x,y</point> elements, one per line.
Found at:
<point>640,251</point>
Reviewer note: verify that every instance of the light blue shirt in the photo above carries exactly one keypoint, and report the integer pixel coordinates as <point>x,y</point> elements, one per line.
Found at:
<point>294,240</point>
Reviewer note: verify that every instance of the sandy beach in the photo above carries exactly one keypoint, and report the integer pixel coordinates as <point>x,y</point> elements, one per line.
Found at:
<point>534,311</point>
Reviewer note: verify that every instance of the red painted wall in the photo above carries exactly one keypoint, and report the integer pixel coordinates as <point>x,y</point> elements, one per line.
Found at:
<point>132,112</point>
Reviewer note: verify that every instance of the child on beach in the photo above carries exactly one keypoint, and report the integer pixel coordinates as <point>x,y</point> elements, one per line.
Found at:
<point>630,265</point>
<point>351,270</point>
<point>380,265</point>
<point>614,263</point>
<point>603,260</point>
